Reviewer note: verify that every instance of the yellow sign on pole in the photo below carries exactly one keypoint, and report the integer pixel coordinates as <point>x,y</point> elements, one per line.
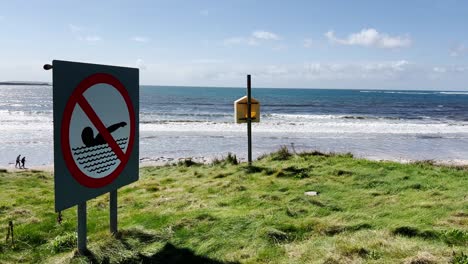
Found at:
<point>240,110</point>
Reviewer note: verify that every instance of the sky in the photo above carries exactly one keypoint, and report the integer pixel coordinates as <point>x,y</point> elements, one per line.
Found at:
<point>412,45</point>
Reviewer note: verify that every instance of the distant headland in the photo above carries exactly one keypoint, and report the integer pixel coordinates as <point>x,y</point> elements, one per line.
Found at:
<point>25,83</point>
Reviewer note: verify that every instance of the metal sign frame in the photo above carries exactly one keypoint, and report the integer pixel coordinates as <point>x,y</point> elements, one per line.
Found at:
<point>70,79</point>
<point>72,186</point>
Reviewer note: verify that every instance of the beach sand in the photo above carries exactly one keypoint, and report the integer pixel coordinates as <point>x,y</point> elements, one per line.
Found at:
<point>163,161</point>
<point>144,162</point>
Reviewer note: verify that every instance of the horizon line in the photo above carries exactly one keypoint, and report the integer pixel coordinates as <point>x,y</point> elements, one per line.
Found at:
<point>42,83</point>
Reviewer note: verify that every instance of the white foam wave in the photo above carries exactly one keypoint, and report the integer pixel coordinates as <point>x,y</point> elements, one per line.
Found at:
<point>301,117</point>
<point>21,120</point>
<point>455,93</point>
<point>271,123</point>
<point>335,128</point>
<point>307,117</point>
<point>397,92</point>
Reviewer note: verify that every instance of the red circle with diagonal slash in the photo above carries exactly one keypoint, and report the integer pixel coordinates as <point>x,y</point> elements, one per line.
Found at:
<point>77,98</point>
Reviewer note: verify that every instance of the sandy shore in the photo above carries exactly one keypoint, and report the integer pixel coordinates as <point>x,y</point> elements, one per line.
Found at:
<point>144,162</point>
<point>162,161</point>
<point>11,168</point>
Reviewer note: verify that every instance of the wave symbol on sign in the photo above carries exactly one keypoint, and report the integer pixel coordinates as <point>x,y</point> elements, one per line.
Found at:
<point>98,158</point>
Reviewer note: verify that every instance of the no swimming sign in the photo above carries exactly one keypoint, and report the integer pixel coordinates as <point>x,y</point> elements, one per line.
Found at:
<point>95,130</point>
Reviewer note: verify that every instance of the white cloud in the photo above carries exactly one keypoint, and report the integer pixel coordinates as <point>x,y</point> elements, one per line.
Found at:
<point>393,74</point>
<point>255,39</point>
<point>140,64</point>
<point>279,47</point>
<point>275,70</point>
<point>386,70</point>
<point>460,69</point>
<point>371,38</point>
<point>140,39</point>
<point>459,50</point>
<point>82,34</point>
<point>449,73</point>
<point>308,43</point>
<point>207,61</point>
<point>398,74</point>
<point>450,69</point>
<point>75,28</point>
<point>311,74</point>
<point>241,40</point>
<point>259,34</point>
<point>92,38</point>
<point>234,41</point>
<point>439,69</point>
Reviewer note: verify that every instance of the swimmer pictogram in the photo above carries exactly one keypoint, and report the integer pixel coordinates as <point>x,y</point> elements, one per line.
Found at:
<point>87,135</point>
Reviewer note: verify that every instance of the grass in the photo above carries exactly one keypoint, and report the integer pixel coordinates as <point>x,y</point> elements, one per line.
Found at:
<point>229,159</point>
<point>366,212</point>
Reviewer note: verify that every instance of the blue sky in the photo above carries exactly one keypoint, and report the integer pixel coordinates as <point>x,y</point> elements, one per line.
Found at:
<point>300,44</point>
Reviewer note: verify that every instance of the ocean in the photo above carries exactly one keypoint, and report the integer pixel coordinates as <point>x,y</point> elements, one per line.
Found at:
<point>181,122</point>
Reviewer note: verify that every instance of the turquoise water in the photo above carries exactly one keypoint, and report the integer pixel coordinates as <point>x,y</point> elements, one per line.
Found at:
<point>198,122</point>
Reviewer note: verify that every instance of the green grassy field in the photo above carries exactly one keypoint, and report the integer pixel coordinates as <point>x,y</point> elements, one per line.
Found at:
<point>365,212</point>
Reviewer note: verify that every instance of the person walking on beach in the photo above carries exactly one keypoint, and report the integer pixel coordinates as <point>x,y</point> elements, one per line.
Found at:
<point>23,160</point>
<point>18,164</point>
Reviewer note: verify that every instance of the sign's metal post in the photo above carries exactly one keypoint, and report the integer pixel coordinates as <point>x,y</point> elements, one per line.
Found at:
<point>249,120</point>
<point>82,228</point>
<point>113,211</point>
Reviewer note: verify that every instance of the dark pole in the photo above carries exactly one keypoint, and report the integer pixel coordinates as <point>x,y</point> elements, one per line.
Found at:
<point>249,120</point>
<point>82,228</point>
<point>113,211</point>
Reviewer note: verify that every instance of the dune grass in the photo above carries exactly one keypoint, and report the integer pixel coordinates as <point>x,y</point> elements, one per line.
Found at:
<point>365,212</point>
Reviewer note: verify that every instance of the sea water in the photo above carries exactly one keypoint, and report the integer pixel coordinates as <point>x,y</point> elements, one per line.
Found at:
<point>181,122</point>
